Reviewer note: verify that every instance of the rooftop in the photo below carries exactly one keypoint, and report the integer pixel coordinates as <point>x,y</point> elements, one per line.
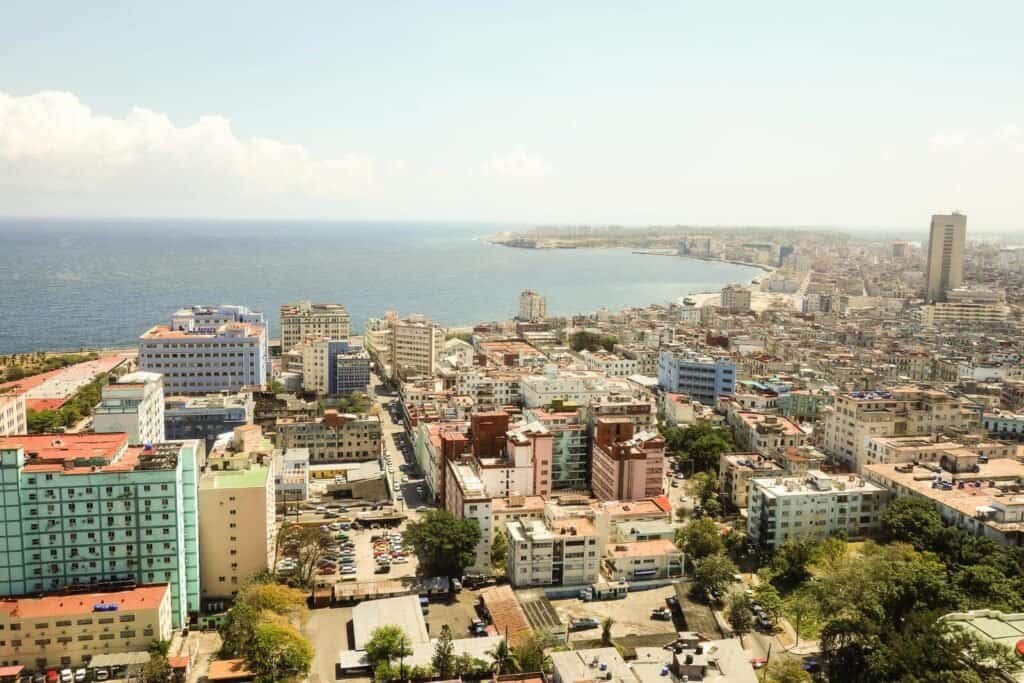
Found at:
<point>659,546</point>
<point>254,477</point>
<point>506,614</point>
<point>403,611</point>
<point>142,597</point>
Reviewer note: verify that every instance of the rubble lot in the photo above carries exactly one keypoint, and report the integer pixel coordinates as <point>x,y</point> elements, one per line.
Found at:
<point>632,615</point>
<point>457,614</point>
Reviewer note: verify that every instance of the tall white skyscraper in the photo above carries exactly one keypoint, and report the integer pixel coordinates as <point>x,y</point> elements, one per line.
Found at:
<point>945,255</point>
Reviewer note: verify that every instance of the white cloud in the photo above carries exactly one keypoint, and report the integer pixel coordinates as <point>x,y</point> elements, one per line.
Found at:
<point>52,142</point>
<point>516,166</point>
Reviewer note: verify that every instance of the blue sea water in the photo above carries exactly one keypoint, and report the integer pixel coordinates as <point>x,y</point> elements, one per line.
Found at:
<point>89,283</point>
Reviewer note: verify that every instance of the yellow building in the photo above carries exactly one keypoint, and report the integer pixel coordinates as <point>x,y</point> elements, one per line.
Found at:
<point>61,631</point>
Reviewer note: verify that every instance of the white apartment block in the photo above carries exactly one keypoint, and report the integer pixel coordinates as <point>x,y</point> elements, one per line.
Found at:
<point>858,416</point>
<point>489,390</point>
<point>562,552</point>
<point>133,404</point>
<point>817,505</point>
<point>316,362</point>
<point>13,416</point>
<point>579,387</point>
<point>532,306</point>
<point>417,345</point>
<point>611,364</point>
<point>467,498</point>
<point>208,350</point>
<point>304,319</point>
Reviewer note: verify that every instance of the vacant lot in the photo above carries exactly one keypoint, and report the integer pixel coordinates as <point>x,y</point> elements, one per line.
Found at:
<point>631,616</point>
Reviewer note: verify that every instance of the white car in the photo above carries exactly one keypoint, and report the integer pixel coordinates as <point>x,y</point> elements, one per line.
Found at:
<point>66,676</point>
<point>79,675</point>
<point>348,569</point>
<point>399,560</point>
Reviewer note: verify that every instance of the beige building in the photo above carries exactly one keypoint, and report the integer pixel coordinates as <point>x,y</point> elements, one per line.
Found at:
<point>316,357</point>
<point>133,404</point>
<point>736,469</point>
<point>858,416</point>
<point>63,631</point>
<point>945,255</point>
<point>13,417</point>
<point>916,449</point>
<point>735,298</point>
<point>532,306</point>
<point>236,527</point>
<point>335,437</point>
<point>965,306</point>
<point>305,319</point>
<point>417,345</point>
<point>560,552</point>
<point>643,560</point>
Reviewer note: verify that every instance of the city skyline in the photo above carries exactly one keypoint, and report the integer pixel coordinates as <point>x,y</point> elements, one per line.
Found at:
<point>525,114</point>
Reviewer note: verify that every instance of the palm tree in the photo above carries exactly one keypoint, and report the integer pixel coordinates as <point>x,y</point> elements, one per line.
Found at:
<point>505,661</point>
<point>606,632</point>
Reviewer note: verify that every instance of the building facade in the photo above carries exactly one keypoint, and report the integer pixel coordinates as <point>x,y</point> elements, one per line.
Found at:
<point>335,437</point>
<point>303,319</point>
<point>133,404</point>
<point>703,378</point>
<point>351,370</point>
<point>563,552</point>
<point>208,350</point>
<point>627,465</point>
<point>13,416</point>
<point>946,240</point>
<point>86,510</point>
<point>206,417</point>
<point>532,306</point>
<point>735,298</point>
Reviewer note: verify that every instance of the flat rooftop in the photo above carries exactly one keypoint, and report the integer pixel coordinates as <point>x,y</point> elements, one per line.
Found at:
<point>403,611</point>
<point>142,597</point>
<point>255,477</point>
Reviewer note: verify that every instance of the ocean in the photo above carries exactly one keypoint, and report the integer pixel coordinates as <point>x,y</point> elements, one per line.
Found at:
<point>100,283</point>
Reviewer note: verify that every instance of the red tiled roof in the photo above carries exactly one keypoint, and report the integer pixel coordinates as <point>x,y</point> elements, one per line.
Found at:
<point>40,404</point>
<point>142,597</point>
<point>663,503</point>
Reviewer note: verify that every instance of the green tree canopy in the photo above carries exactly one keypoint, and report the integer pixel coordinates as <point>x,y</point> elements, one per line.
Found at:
<point>443,660</point>
<point>700,538</point>
<point>499,550</point>
<point>713,573</point>
<point>444,544</point>
<point>913,520</point>
<point>503,658</point>
<point>591,341</point>
<point>387,643</point>
<point>740,613</point>
<point>278,652</point>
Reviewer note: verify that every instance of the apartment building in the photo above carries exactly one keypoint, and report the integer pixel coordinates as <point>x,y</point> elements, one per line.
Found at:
<point>817,505</point>
<point>335,437</point>
<point>532,306</point>
<point>735,470</point>
<point>969,491</point>
<point>702,378</point>
<point>489,389</point>
<point>417,345</point>
<point>643,560</point>
<point>515,508</point>
<point>206,417</point>
<point>735,298</point>
<point>291,475</point>
<point>13,416</point>
<point>1004,423</point>
<point>236,526</point>
<point>857,416</point>
<point>561,552</point>
<point>133,404</point>
<point>208,350</point>
<point>467,498</point>
<point>87,510</point>
<point>68,630</point>
<point>610,364</point>
<point>541,390</point>
<point>351,371</point>
<point>768,435</point>
<point>964,311</point>
<point>946,241</point>
<point>303,320</point>
<point>918,449</point>
<point>638,408</point>
<point>570,447</point>
<point>626,464</point>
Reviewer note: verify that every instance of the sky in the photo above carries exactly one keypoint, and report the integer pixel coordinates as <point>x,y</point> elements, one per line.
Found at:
<point>871,114</point>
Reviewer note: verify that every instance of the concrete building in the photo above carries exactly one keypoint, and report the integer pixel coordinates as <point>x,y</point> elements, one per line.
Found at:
<point>89,510</point>
<point>532,306</point>
<point>562,552</point>
<point>970,492</point>
<point>466,497</point>
<point>946,240</point>
<point>304,319</point>
<point>735,470</point>
<point>541,390</point>
<point>735,298</point>
<point>236,521</point>
<point>768,435</point>
<point>133,404</point>
<point>69,630</point>
<point>206,417</point>
<point>13,416</point>
<point>896,450</point>
<point>291,475</point>
<point>610,364</point>
<point>570,448</point>
<point>966,306</point>
<point>991,626</point>
<point>643,560</point>
<point>857,416</point>
<point>351,371</point>
<point>626,464</point>
<point>417,345</point>
<point>207,350</point>
<point>335,437</point>
<point>703,378</point>
<point>813,506</point>
<point>1003,423</point>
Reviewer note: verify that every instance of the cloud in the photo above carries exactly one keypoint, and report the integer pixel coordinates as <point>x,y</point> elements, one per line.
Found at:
<point>516,166</point>
<point>52,142</point>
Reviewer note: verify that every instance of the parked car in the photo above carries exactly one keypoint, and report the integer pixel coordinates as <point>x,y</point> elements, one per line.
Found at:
<point>583,624</point>
<point>661,614</point>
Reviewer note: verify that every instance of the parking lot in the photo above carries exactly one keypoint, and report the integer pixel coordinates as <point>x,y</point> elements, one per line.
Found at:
<point>631,616</point>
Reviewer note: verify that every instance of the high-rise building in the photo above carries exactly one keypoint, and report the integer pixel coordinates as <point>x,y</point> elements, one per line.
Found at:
<point>945,255</point>
<point>532,306</point>
<point>416,346</point>
<point>133,404</point>
<point>627,465</point>
<point>735,298</point>
<point>305,319</point>
<point>89,511</point>
<point>13,415</point>
<point>207,350</point>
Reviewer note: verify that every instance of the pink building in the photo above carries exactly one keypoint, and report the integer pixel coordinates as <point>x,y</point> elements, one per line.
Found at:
<point>626,465</point>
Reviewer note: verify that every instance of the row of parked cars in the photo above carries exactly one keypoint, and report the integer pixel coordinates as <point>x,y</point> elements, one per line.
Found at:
<point>339,556</point>
<point>388,550</point>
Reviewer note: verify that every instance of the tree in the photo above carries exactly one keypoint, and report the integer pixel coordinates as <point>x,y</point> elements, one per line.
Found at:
<point>157,669</point>
<point>766,595</point>
<point>800,605</point>
<point>503,658</point>
<point>787,670</point>
<point>701,538</point>
<point>276,387</point>
<point>590,341</point>
<point>606,631</point>
<point>469,666</point>
<point>499,550</point>
<point>444,544</point>
<point>443,660</point>
<point>713,574</point>
<point>913,520</point>
<point>387,643</point>
<point>792,560</point>
<point>740,614</point>
<point>530,652</point>
<point>701,444</point>
<point>279,652</point>
<point>256,604</point>
<point>702,486</point>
